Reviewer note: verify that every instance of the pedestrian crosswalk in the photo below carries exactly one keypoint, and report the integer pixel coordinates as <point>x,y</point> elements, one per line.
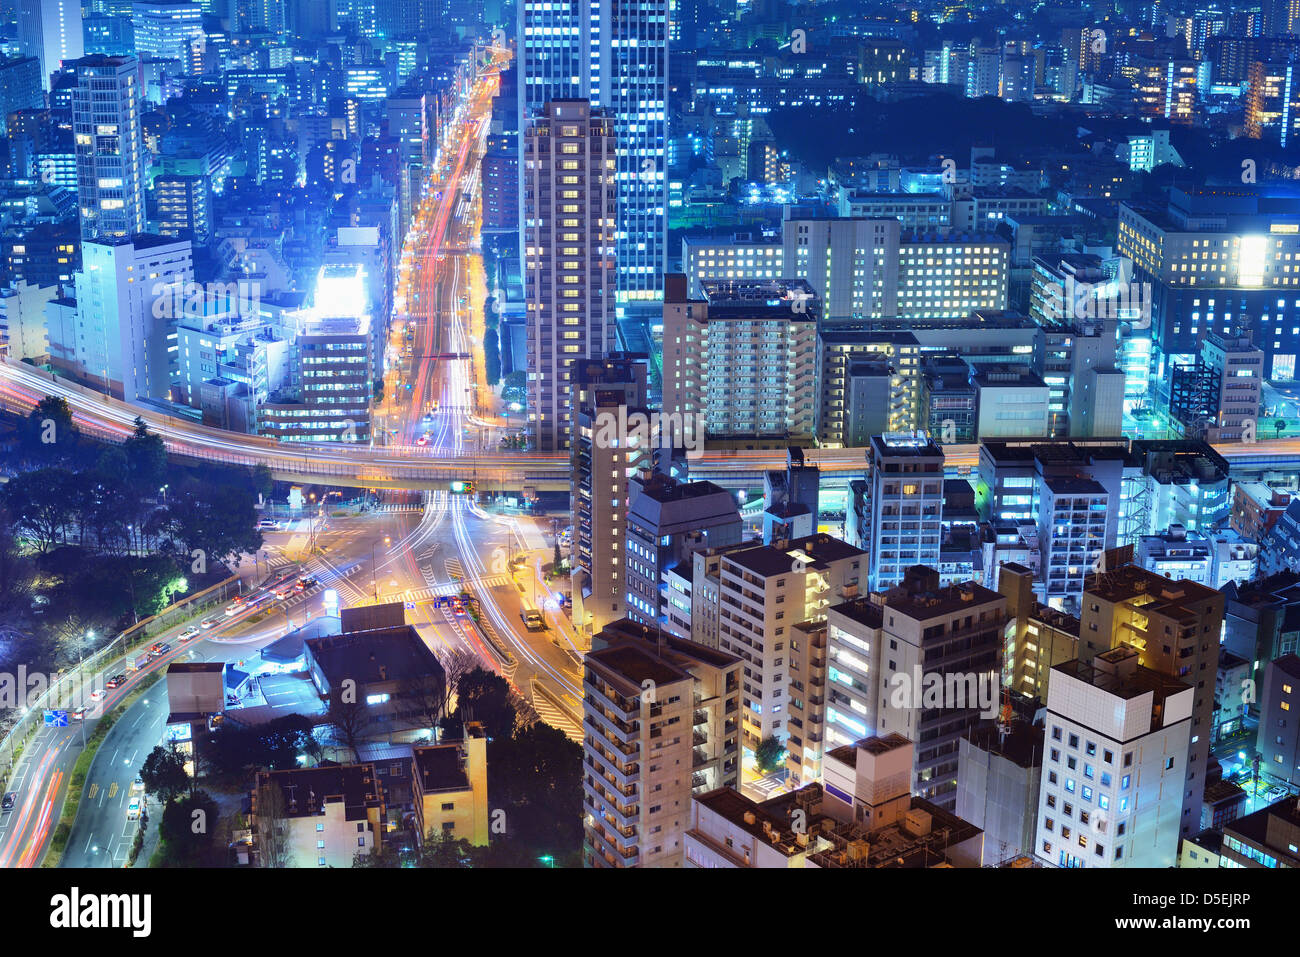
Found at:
<point>441,589</point>
<point>399,507</point>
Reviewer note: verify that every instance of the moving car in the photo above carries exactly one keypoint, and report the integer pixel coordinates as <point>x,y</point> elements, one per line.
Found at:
<point>78,715</point>
<point>268,523</point>
<point>207,623</point>
<point>161,650</point>
<point>97,694</point>
<point>533,620</point>
<point>236,606</point>
<point>307,581</point>
<point>137,786</point>
<point>115,682</point>
<point>187,634</point>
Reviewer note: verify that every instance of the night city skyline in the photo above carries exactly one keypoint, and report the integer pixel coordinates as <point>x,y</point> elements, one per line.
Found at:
<point>651,434</point>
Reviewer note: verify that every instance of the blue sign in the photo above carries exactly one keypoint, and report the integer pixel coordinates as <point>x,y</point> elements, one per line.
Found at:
<point>56,719</point>
<point>410,605</point>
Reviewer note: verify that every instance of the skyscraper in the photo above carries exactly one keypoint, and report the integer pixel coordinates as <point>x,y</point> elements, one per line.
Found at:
<point>568,261</point>
<point>106,130</point>
<point>50,30</point>
<point>615,54</point>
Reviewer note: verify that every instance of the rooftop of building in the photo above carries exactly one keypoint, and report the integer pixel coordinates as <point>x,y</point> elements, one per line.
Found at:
<point>306,791</point>
<point>1126,683</point>
<point>1021,744</point>
<point>919,595</point>
<point>441,767</point>
<point>903,445</point>
<point>369,657</point>
<point>1168,597</point>
<point>814,551</point>
<point>628,653</point>
<point>1268,826</point>
<point>873,745</point>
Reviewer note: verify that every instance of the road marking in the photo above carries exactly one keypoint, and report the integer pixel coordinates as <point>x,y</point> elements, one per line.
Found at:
<point>94,789</point>
<point>112,790</point>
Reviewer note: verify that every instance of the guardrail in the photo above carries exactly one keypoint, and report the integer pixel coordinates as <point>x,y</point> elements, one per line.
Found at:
<point>128,642</point>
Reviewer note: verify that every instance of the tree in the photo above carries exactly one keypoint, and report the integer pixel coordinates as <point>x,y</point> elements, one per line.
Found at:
<point>271,825</point>
<point>426,696</point>
<point>48,435</point>
<point>491,357</point>
<point>187,829</point>
<point>216,519</point>
<point>146,459</point>
<point>263,483</point>
<point>484,697</point>
<point>164,774</point>
<point>1280,426</point>
<point>440,849</point>
<point>536,778</point>
<point>770,754</point>
<point>41,504</point>
<point>350,720</point>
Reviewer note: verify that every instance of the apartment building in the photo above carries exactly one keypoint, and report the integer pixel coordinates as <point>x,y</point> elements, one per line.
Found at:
<point>1278,740</point>
<point>123,329</point>
<point>1117,741</point>
<point>667,520</point>
<point>661,721</point>
<point>323,816</point>
<point>806,712</point>
<point>881,653</point>
<point>905,506</point>
<point>743,359</point>
<point>756,594</point>
<point>609,449</point>
<point>1040,637</point>
<point>569,214</point>
<point>106,105</point>
<point>1175,628</point>
<point>449,788</point>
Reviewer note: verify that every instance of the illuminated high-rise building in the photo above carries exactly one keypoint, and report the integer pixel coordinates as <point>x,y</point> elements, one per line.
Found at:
<point>615,54</point>
<point>110,150</point>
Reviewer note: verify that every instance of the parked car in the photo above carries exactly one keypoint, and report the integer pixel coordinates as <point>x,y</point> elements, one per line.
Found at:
<point>11,798</point>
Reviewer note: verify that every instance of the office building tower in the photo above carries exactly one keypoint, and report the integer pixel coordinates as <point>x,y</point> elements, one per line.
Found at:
<point>1175,627</point>
<point>1117,742</point>
<point>20,88</point>
<point>883,652</point>
<point>170,30</point>
<point>332,365</point>
<point>124,329</point>
<point>904,506</point>
<point>569,214</point>
<point>110,151</point>
<point>50,30</point>
<point>952,275</point>
<point>741,362</point>
<point>661,717</point>
<point>666,521</point>
<point>613,53</point>
<point>851,264</point>
<point>408,124</point>
<point>611,444</point>
<point>1215,258</point>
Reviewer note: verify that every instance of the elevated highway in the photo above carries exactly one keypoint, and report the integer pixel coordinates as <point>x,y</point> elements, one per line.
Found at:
<point>414,467</point>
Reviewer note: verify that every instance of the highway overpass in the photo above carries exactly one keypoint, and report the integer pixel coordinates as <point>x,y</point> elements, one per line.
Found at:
<point>412,467</point>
